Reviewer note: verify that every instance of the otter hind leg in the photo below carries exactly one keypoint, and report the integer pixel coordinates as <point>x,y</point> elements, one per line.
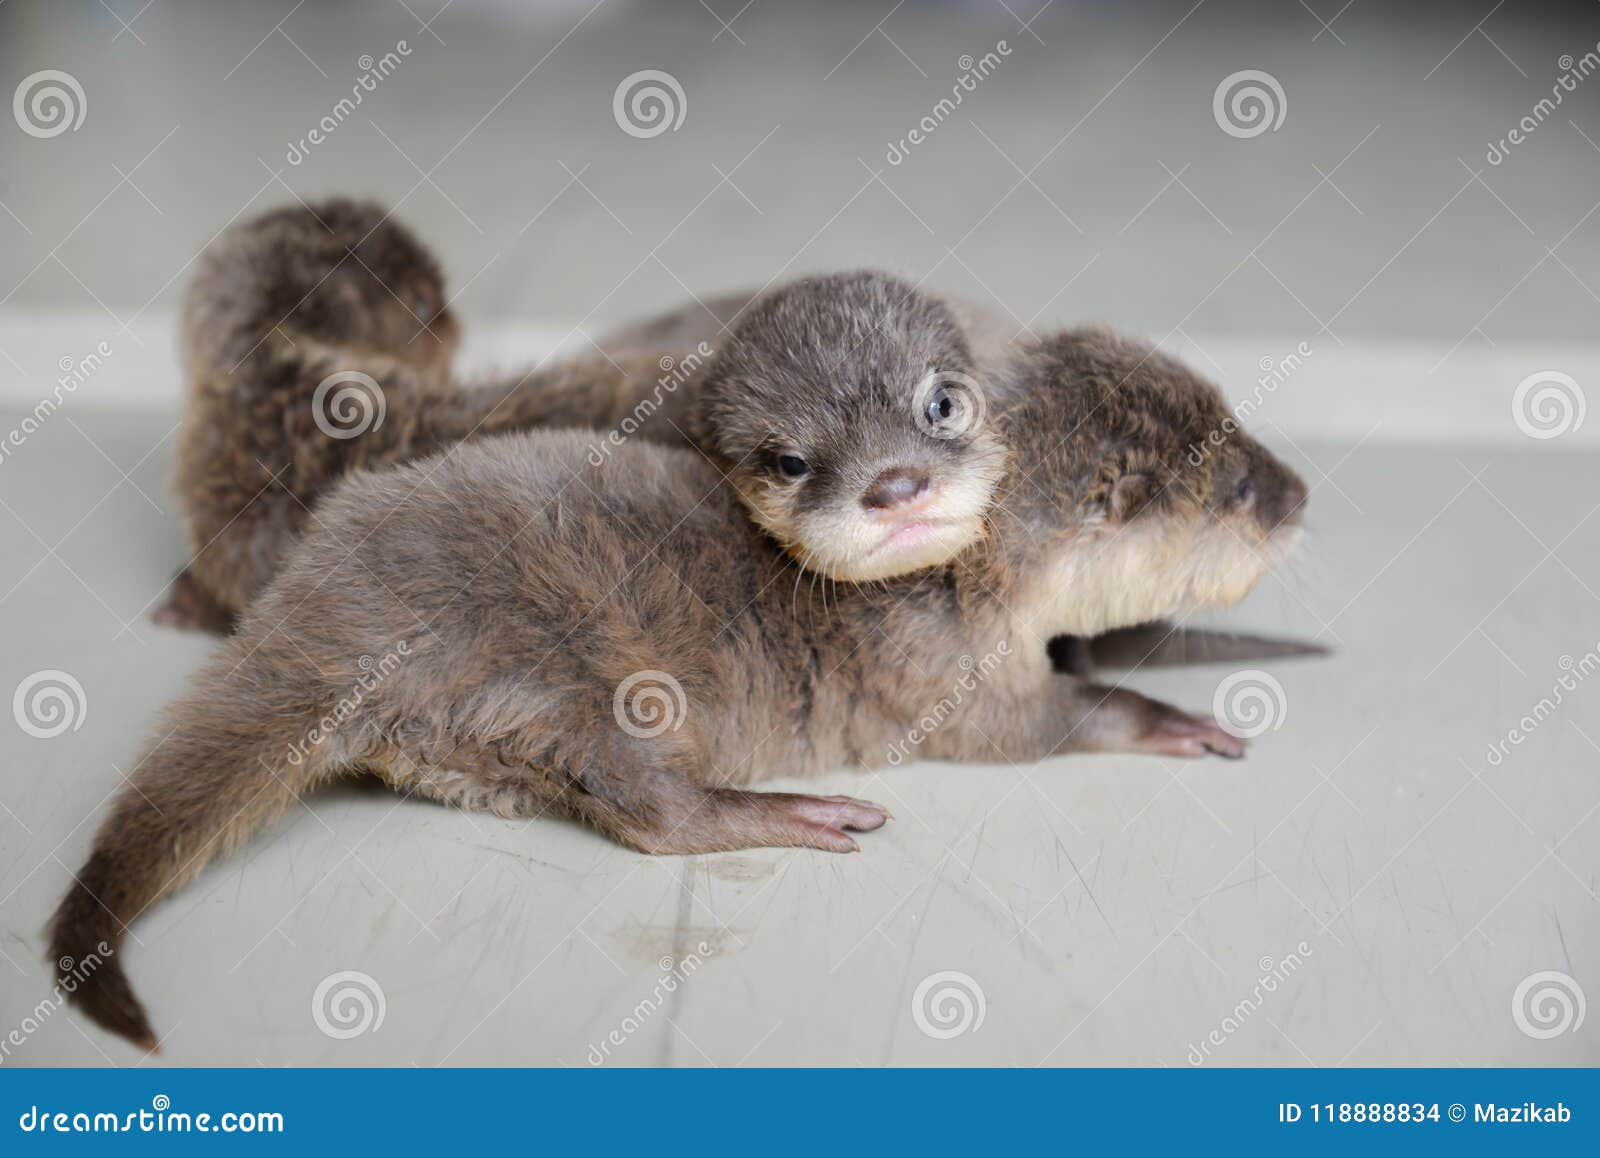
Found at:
<point>467,775</point>
<point>1072,715</point>
<point>656,806</point>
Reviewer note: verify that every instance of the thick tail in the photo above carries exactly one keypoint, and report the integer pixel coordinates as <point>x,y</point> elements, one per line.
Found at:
<point>228,766</point>
<point>1162,645</point>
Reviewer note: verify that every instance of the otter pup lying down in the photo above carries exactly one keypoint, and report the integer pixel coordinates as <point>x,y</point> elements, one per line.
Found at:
<point>317,341</point>
<point>606,638</point>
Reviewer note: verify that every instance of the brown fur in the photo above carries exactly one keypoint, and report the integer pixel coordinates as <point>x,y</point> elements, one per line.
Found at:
<point>527,583</point>
<point>284,301</point>
<point>277,305</point>
<point>307,296</point>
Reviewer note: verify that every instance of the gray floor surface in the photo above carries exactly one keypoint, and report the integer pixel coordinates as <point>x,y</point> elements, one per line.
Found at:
<point>1109,909</point>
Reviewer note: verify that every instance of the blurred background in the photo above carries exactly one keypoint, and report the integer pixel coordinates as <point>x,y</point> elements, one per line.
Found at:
<point>1085,174</point>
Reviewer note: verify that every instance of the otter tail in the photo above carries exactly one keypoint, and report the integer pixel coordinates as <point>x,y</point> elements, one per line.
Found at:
<point>227,767</point>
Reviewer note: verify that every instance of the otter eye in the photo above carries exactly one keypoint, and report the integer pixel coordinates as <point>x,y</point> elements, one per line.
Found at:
<point>1244,492</point>
<point>793,466</point>
<point>941,405</point>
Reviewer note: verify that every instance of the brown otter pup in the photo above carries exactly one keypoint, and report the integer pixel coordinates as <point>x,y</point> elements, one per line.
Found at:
<point>607,638</point>
<point>318,340</point>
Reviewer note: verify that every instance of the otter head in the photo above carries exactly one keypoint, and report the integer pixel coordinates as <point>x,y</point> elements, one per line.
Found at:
<point>1157,500</point>
<point>353,276</point>
<point>845,412</point>
<point>396,282</point>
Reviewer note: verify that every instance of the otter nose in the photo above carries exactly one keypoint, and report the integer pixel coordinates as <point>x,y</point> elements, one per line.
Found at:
<point>895,488</point>
<point>1285,504</point>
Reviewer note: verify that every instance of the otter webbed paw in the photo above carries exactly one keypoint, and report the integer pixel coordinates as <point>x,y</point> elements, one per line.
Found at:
<point>1119,720</point>
<point>1173,732</point>
<point>724,819</point>
<point>823,821</point>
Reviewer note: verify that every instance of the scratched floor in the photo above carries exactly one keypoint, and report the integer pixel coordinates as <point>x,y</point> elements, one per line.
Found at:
<point>1390,878</point>
<point>1108,909</point>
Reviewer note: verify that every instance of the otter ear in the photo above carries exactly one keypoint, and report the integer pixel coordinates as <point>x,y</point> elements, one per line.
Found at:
<point>1129,495</point>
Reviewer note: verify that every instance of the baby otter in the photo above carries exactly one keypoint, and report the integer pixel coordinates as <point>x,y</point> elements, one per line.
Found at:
<point>606,638</point>
<point>318,340</point>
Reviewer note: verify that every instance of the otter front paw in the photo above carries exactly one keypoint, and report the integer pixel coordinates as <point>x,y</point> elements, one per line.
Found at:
<point>1171,732</point>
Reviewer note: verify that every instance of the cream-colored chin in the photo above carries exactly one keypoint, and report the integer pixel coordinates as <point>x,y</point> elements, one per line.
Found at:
<point>940,544</point>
